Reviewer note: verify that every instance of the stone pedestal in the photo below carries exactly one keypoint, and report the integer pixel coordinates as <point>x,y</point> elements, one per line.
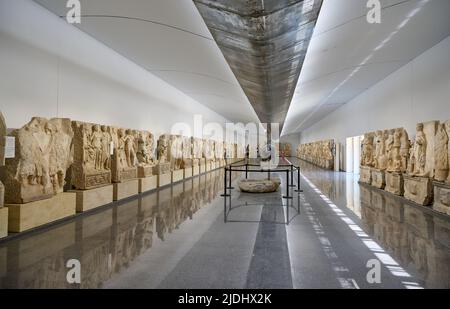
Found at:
<point>123,190</point>
<point>177,175</point>
<point>365,175</point>
<point>378,178</point>
<point>188,173</point>
<point>202,164</point>
<point>23,217</point>
<point>442,197</point>
<point>148,183</point>
<point>90,199</point>
<point>208,166</point>
<point>145,171</point>
<point>418,189</point>
<point>164,179</point>
<point>161,168</point>
<point>195,170</point>
<point>394,183</point>
<point>125,175</point>
<point>3,222</point>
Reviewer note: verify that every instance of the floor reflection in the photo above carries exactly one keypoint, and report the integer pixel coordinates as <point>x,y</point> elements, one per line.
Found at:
<point>416,237</point>
<point>105,242</point>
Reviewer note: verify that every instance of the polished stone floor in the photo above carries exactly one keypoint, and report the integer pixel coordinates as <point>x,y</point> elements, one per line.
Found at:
<point>178,237</point>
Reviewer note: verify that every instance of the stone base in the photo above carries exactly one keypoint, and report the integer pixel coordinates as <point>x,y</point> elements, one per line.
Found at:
<point>90,181</point>
<point>418,189</point>
<point>23,217</point>
<point>208,167</point>
<point>216,165</point>
<point>188,173</point>
<point>442,197</point>
<point>161,169</point>
<point>148,183</point>
<point>195,170</point>
<point>365,175</point>
<point>164,180</point>
<point>177,175</point>
<point>394,183</point>
<point>123,190</point>
<point>202,168</point>
<point>145,171</point>
<point>125,175</point>
<point>90,199</point>
<point>3,222</point>
<point>378,179</point>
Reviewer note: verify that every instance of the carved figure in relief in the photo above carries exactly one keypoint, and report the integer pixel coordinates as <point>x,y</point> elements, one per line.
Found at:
<point>441,153</point>
<point>106,148</point>
<point>367,150</point>
<point>162,150</point>
<point>43,155</point>
<point>405,146</point>
<point>418,158</point>
<point>145,148</point>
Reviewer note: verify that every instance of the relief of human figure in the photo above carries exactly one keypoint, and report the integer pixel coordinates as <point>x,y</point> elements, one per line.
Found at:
<point>106,148</point>
<point>162,149</point>
<point>379,149</point>
<point>405,146</point>
<point>419,152</point>
<point>96,144</point>
<point>130,152</point>
<point>441,153</point>
<point>367,150</point>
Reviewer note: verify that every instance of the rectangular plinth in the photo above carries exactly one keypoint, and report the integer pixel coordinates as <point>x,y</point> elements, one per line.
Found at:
<point>195,170</point>
<point>123,190</point>
<point>442,197</point>
<point>23,217</point>
<point>3,222</point>
<point>90,199</point>
<point>418,189</point>
<point>188,172</point>
<point>177,175</point>
<point>202,168</point>
<point>394,183</point>
<point>365,174</point>
<point>378,179</point>
<point>148,183</point>
<point>208,166</point>
<point>164,179</point>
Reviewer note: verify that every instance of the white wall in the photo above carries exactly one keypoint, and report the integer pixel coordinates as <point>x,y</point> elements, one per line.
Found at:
<point>51,69</point>
<point>419,91</point>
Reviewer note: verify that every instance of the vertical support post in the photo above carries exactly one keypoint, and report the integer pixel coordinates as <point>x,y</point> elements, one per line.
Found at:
<point>246,170</point>
<point>287,186</point>
<point>292,176</point>
<point>299,188</point>
<point>225,192</point>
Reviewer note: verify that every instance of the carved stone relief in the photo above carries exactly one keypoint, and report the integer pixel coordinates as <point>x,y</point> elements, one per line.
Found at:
<point>43,156</point>
<point>92,155</point>
<point>318,153</point>
<point>144,154</point>
<point>2,155</point>
<point>124,160</point>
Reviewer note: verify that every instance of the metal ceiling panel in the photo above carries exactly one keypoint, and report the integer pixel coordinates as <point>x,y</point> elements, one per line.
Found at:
<point>265,44</point>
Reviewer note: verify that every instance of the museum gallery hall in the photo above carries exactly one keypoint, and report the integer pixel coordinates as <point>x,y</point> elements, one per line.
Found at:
<point>224,144</point>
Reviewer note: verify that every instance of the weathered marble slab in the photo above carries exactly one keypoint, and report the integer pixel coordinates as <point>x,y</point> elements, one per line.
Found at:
<point>43,156</point>
<point>418,189</point>
<point>442,197</point>
<point>378,178</point>
<point>259,185</point>
<point>394,183</point>
<point>365,175</point>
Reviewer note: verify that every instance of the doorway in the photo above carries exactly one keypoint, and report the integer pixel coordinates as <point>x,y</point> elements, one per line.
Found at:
<point>352,154</point>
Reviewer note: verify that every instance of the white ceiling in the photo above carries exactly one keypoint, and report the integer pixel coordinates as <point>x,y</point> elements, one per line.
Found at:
<point>170,39</point>
<point>347,55</point>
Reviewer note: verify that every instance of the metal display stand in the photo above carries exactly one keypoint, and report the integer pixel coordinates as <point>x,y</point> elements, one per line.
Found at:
<point>289,169</point>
